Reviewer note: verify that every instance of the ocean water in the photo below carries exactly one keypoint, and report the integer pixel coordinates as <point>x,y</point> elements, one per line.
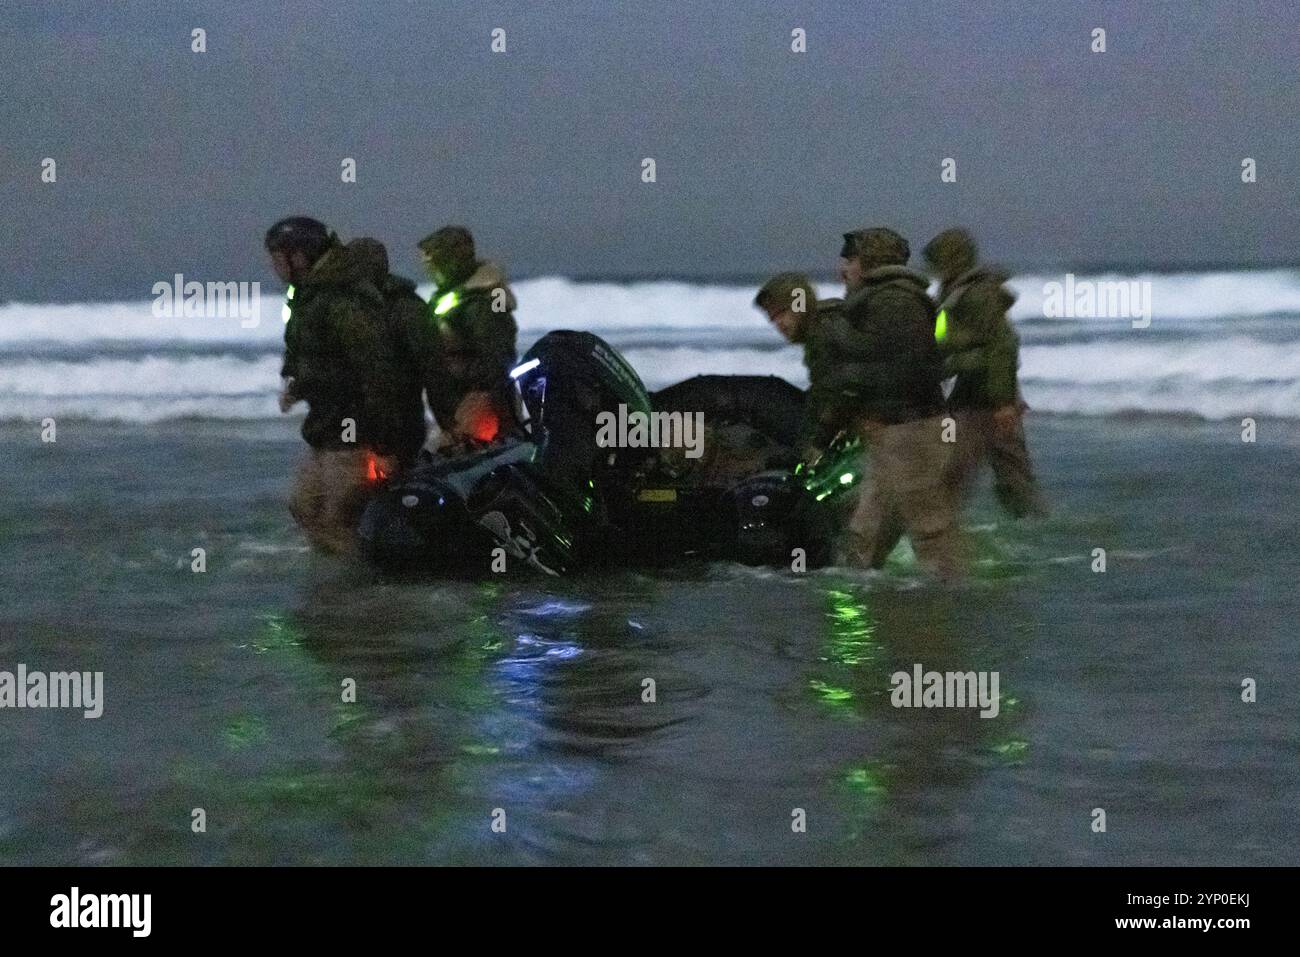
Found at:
<point>522,697</point>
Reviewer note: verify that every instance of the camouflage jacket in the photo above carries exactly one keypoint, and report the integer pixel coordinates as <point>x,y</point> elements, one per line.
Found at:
<point>873,355</point>
<point>474,329</point>
<point>353,350</point>
<point>978,343</point>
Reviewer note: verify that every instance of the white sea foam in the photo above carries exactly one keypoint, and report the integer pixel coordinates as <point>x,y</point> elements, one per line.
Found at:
<point>117,361</point>
<point>1183,296</point>
<point>1134,360</point>
<point>555,302</point>
<point>148,376</point>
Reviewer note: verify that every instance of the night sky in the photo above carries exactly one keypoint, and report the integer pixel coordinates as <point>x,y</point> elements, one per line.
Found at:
<point>174,161</point>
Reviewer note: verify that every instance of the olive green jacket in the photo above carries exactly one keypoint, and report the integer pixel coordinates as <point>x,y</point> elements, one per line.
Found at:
<point>353,350</point>
<point>474,328</point>
<point>976,338</point>
<point>872,355</point>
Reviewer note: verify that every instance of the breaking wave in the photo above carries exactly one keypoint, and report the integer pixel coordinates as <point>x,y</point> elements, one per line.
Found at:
<point>1220,345</point>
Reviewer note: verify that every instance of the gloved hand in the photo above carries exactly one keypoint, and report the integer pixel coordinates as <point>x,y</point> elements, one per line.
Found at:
<point>477,418</point>
<point>1006,419</point>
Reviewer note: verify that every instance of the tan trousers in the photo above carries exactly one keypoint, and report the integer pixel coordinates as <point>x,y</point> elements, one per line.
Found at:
<point>331,491</point>
<point>907,492</point>
<point>979,440</point>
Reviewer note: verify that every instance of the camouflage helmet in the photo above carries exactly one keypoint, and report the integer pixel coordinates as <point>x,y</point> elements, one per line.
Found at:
<point>952,252</point>
<point>783,287</point>
<point>877,246</point>
<point>451,247</point>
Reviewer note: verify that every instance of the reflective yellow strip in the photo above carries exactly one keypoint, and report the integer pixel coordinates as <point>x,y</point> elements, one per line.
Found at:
<point>657,495</point>
<point>446,303</point>
<point>941,326</point>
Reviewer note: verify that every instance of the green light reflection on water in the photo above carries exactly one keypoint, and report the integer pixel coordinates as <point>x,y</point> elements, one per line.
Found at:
<point>851,640</point>
<point>276,634</point>
<point>244,731</point>
<point>866,781</point>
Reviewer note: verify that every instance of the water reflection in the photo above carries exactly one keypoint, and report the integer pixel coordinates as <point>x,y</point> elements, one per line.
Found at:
<point>473,697</point>
<point>916,767</point>
<point>482,697</point>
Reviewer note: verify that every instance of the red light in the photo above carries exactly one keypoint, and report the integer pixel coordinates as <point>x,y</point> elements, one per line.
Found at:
<point>374,468</point>
<point>477,418</point>
<point>485,426</point>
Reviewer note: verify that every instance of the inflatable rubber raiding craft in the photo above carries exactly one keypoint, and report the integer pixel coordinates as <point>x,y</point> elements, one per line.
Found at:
<point>558,495</point>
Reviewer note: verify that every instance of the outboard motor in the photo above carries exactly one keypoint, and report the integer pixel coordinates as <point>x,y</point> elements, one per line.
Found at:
<point>565,381</point>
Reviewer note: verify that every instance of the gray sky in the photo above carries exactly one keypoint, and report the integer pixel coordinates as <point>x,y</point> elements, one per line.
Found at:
<point>172,161</point>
